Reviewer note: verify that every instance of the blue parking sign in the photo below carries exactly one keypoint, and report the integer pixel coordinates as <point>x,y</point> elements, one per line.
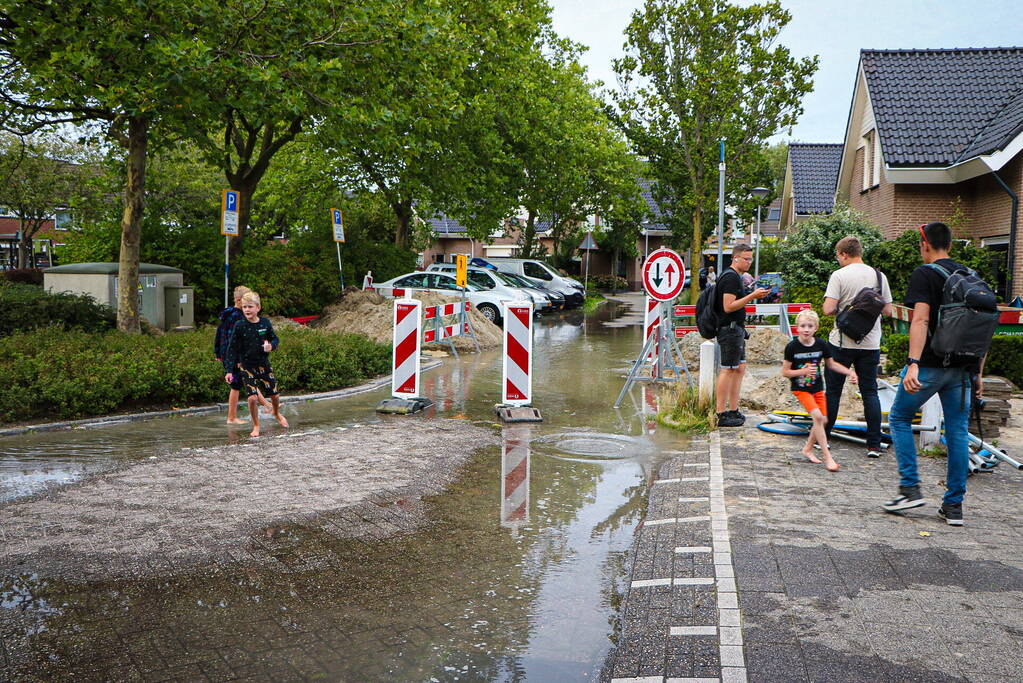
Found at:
<point>229,214</point>
<point>337,221</point>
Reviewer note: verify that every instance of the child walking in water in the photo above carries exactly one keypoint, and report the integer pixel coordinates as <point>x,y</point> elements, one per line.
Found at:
<point>230,317</point>
<point>248,354</point>
<point>805,357</point>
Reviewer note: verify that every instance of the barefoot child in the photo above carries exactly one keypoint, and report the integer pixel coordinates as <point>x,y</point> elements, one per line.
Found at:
<point>248,355</point>
<point>804,357</point>
<point>229,318</point>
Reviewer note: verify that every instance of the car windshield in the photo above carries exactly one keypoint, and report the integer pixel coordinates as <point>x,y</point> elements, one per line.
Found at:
<point>511,280</point>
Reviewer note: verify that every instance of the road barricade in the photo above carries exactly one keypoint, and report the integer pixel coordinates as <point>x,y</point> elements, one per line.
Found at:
<point>517,365</point>
<point>437,330</point>
<point>781,311</point>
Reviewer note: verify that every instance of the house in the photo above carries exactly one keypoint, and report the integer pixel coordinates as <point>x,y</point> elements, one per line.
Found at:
<point>811,175</point>
<point>46,242</point>
<point>937,135</point>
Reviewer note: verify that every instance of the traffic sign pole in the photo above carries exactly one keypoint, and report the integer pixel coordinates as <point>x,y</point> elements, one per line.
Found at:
<point>337,222</point>
<point>229,229</point>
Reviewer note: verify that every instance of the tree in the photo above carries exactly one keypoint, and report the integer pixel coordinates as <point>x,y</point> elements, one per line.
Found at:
<point>623,222</point>
<point>697,72</point>
<point>807,255</point>
<point>37,176</point>
<point>777,156</point>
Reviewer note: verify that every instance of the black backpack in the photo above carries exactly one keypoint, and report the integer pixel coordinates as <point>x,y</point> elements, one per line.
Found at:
<point>707,320</point>
<point>967,317</point>
<point>858,318</point>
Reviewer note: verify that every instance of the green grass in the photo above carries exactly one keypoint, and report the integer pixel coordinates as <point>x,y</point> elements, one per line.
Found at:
<point>593,299</point>
<point>685,414</point>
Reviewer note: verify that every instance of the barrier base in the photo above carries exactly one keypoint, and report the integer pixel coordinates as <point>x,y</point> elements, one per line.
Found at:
<point>403,406</point>
<point>517,413</point>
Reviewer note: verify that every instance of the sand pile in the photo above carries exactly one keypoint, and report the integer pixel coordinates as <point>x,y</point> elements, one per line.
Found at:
<point>772,392</point>
<point>763,346</point>
<point>368,313</point>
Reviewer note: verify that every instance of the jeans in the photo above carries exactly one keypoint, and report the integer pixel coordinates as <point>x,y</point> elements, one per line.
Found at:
<point>953,388</point>
<point>864,362</point>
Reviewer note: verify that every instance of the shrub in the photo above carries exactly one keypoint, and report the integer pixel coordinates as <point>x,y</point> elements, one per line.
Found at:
<point>807,256</point>
<point>899,257</point>
<point>27,307</point>
<point>608,282</point>
<point>28,276</point>
<point>1005,357</point>
<point>815,296</point>
<point>57,373</point>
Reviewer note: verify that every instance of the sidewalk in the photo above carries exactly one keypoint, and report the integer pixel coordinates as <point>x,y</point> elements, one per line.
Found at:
<point>828,586</point>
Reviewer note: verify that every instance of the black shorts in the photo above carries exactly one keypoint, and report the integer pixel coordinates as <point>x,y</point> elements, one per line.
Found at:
<point>236,383</point>
<point>732,343</point>
<point>259,378</point>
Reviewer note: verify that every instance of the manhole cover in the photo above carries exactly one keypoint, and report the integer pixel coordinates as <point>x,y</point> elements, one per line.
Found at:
<point>594,445</point>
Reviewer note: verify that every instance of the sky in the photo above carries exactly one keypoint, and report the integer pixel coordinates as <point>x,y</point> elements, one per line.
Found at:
<point>834,30</point>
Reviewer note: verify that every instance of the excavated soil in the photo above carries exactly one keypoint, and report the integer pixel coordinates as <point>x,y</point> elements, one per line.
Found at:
<point>368,313</point>
<point>763,346</point>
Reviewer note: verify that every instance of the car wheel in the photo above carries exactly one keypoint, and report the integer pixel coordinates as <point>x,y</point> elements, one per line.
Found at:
<point>489,312</point>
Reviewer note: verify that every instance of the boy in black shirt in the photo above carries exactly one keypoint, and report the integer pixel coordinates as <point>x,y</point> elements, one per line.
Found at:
<point>805,359</point>
<point>730,299</point>
<point>927,374</point>
<point>248,354</point>
<point>230,317</point>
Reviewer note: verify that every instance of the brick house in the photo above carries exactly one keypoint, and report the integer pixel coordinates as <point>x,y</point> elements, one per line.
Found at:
<point>811,174</point>
<point>47,241</point>
<point>938,135</point>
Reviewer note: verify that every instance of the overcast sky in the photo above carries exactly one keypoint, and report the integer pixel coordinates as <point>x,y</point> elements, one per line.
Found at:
<point>835,30</point>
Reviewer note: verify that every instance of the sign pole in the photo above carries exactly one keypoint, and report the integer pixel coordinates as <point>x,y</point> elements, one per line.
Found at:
<point>229,229</point>
<point>337,223</point>
<point>721,210</point>
<point>227,267</point>
<point>340,272</point>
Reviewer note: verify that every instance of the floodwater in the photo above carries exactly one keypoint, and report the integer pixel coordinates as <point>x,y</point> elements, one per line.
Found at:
<point>517,573</point>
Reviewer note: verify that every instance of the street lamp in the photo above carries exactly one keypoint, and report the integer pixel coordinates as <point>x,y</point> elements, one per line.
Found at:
<point>759,193</point>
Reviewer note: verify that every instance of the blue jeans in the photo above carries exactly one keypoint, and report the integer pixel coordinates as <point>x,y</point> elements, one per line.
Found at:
<point>864,362</point>
<point>953,388</point>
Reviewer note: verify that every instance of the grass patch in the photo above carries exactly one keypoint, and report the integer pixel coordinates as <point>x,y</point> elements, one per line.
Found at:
<point>593,299</point>
<point>684,413</point>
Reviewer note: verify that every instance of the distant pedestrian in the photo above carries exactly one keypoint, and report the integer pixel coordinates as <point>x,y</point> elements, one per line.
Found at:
<point>229,318</point>
<point>927,373</point>
<point>730,299</point>
<point>248,355</point>
<point>846,288</point>
<point>711,276</point>
<point>806,357</point>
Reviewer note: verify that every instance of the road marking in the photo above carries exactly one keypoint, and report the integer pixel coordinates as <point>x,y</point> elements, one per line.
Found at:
<point>681,581</point>
<point>694,630</point>
<point>647,583</point>
<point>678,520</point>
<point>692,549</point>
<point>693,500</point>
<point>733,660</point>
<point>696,464</point>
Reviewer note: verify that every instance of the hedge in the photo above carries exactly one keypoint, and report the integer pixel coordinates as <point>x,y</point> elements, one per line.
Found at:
<point>1004,359</point>
<point>27,307</point>
<point>57,373</point>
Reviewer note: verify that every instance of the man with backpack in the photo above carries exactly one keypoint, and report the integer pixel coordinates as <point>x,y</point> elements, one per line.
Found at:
<point>858,295</point>
<point>954,318</point>
<point>730,299</point>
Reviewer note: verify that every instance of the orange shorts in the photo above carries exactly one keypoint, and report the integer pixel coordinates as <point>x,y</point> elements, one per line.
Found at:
<point>811,401</point>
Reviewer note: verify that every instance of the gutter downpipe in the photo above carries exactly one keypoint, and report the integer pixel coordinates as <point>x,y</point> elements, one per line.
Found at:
<point>1013,219</point>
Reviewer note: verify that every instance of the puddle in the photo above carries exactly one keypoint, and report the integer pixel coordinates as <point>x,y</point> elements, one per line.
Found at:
<point>515,572</point>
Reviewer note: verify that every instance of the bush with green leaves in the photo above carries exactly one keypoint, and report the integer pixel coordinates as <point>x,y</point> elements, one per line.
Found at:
<point>1005,357</point>
<point>27,307</point>
<point>607,283</point>
<point>899,257</point>
<point>807,256</point>
<point>53,373</point>
<point>814,296</point>
<point>28,276</point>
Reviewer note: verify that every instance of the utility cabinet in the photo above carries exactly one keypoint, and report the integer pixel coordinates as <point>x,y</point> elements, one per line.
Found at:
<point>178,307</point>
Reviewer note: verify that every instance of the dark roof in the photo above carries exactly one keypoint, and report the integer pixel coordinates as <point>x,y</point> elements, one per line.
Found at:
<point>110,268</point>
<point>814,175</point>
<point>445,225</point>
<point>657,216</point>
<point>941,107</point>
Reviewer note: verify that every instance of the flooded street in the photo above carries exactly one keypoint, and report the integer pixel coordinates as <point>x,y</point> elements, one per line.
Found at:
<point>514,571</point>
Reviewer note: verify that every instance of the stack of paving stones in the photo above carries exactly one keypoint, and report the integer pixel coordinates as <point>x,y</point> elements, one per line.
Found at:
<point>995,413</point>
<point>681,615</point>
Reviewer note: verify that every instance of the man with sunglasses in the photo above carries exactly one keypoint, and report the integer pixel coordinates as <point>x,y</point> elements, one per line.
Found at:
<point>927,374</point>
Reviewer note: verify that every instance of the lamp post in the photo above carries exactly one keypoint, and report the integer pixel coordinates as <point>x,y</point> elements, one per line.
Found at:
<point>759,193</point>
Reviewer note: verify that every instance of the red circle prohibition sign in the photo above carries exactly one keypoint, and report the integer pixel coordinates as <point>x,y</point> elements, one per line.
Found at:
<point>664,274</point>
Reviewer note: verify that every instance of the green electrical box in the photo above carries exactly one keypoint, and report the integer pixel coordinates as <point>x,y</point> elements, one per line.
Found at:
<point>179,307</point>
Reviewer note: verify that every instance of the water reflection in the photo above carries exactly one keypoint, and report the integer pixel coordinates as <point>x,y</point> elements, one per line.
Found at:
<point>515,476</point>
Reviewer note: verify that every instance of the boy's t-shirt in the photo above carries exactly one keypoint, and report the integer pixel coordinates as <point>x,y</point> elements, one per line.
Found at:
<point>246,345</point>
<point>729,283</point>
<point>801,356</point>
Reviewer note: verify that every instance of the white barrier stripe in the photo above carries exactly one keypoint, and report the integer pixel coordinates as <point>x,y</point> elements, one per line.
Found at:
<point>694,631</point>
<point>693,549</point>
<point>648,583</point>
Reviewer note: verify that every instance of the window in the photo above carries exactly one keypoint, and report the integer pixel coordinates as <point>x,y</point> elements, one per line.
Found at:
<point>481,279</point>
<point>536,270</point>
<point>438,258</point>
<point>868,162</point>
<point>877,159</point>
<point>417,281</point>
<point>62,220</point>
<point>445,282</point>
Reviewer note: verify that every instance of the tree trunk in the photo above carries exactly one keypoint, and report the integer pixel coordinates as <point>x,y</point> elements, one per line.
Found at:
<point>131,228</point>
<point>615,255</point>
<point>528,235</point>
<point>245,191</point>
<point>697,260</point>
<point>403,228</point>
<point>24,248</point>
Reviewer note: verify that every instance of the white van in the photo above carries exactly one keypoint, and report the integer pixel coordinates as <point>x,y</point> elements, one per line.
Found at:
<point>496,281</point>
<point>540,272</point>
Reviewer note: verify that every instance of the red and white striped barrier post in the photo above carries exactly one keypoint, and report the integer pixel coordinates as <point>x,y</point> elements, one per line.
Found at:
<point>651,325</point>
<point>517,366</point>
<point>515,477</point>
<point>405,364</point>
<point>367,280</point>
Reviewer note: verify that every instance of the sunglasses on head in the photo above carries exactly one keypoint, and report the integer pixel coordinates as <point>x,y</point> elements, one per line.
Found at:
<point>923,235</point>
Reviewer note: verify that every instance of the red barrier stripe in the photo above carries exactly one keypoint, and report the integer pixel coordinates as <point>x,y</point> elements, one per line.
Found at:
<point>518,514</point>
<point>684,311</point>
<point>516,476</point>
<point>430,312</point>
<point>429,336</point>
<point>513,392</point>
<point>517,354</point>
<point>405,349</point>
<point>403,311</point>
<point>522,313</point>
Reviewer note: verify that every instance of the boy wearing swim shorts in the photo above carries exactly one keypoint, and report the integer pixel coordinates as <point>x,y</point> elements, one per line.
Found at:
<point>248,355</point>
<point>805,358</point>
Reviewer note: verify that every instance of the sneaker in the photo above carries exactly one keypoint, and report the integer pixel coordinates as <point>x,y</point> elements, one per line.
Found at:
<point>952,514</point>
<point>873,452</point>
<point>727,419</point>
<point>909,497</point>
<point>739,415</point>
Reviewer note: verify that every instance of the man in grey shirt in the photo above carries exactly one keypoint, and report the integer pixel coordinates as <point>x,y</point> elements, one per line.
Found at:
<point>863,356</point>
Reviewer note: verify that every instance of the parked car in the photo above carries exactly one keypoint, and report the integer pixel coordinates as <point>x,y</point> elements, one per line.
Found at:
<point>496,281</point>
<point>540,272</point>
<point>487,302</point>
<point>557,299</point>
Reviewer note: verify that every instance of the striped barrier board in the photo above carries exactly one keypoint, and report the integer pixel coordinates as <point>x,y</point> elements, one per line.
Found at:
<point>405,354</point>
<point>441,310</point>
<point>517,387</point>
<point>446,332</point>
<point>685,311</point>
<point>1013,317</point>
<point>683,330</point>
<point>515,477</point>
<point>651,321</point>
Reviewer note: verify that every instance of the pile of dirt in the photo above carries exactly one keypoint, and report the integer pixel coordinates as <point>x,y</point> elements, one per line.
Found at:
<point>763,346</point>
<point>772,392</point>
<point>368,313</point>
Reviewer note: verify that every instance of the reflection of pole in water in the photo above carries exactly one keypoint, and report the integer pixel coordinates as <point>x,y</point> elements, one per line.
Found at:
<point>515,477</point>
<point>650,397</point>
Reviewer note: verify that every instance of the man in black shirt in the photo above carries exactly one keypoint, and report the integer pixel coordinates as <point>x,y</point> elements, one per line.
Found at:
<point>927,374</point>
<point>730,299</point>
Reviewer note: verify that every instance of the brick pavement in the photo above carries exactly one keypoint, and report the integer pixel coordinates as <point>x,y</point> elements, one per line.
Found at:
<point>829,587</point>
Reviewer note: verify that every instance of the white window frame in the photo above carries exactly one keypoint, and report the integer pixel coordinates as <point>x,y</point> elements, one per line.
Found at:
<point>868,161</point>
<point>877,158</point>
